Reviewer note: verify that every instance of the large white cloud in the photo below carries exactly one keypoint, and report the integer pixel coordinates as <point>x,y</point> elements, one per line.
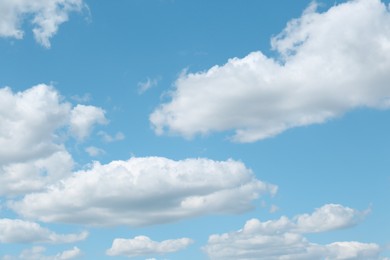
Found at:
<point>143,246</point>
<point>329,63</point>
<point>46,17</point>
<point>283,238</point>
<point>20,231</point>
<point>33,129</point>
<point>144,191</point>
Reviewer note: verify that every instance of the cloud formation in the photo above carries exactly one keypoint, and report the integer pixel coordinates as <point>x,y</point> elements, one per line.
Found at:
<point>283,238</point>
<point>20,231</point>
<point>145,191</point>
<point>324,69</point>
<point>46,17</point>
<point>83,118</point>
<point>144,246</point>
<point>37,253</point>
<point>33,129</point>
<point>146,85</point>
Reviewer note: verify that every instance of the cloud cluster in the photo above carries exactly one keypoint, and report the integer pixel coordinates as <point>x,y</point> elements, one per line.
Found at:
<point>20,231</point>
<point>46,17</point>
<point>145,191</point>
<point>143,246</point>
<point>283,238</point>
<point>324,69</point>
<point>32,133</point>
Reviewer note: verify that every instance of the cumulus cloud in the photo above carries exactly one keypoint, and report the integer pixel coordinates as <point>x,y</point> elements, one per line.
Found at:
<point>20,231</point>
<point>37,253</point>
<point>33,127</point>
<point>46,17</point>
<point>28,123</point>
<point>145,191</point>
<point>283,238</point>
<point>324,69</point>
<point>33,175</point>
<point>143,246</point>
<point>83,118</point>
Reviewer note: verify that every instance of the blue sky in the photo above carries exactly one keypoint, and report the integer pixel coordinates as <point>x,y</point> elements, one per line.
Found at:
<point>168,129</point>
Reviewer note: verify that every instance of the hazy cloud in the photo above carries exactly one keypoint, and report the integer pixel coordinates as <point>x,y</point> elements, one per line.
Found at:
<point>146,85</point>
<point>111,138</point>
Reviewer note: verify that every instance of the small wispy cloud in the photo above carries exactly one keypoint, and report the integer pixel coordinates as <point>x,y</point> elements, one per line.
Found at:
<point>94,151</point>
<point>143,86</point>
<point>111,138</point>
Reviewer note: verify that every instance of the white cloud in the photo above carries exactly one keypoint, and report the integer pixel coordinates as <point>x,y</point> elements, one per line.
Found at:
<point>34,175</point>
<point>28,121</point>
<point>33,127</point>
<point>83,118</point>
<point>20,231</point>
<point>328,217</point>
<point>144,191</point>
<point>283,238</point>
<point>94,151</point>
<point>69,254</point>
<point>37,253</point>
<point>143,246</point>
<point>109,138</point>
<point>326,68</point>
<point>144,86</point>
<point>46,17</point>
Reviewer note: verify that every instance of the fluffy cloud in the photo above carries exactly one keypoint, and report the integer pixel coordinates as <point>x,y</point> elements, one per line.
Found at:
<point>20,231</point>
<point>324,69</point>
<point>28,123</point>
<point>46,17</point>
<point>142,246</point>
<point>83,118</point>
<point>144,191</point>
<point>33,127</point>
<point>37,253</point>
<point>283,238</point>
<point>33,175</point>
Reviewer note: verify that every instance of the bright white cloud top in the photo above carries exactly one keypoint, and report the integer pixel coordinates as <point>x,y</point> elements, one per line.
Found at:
<point>283,238</point>
<point>328,64</point>
<point>144,246</point>
<point>145,191</point>
<point>46,17</point>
